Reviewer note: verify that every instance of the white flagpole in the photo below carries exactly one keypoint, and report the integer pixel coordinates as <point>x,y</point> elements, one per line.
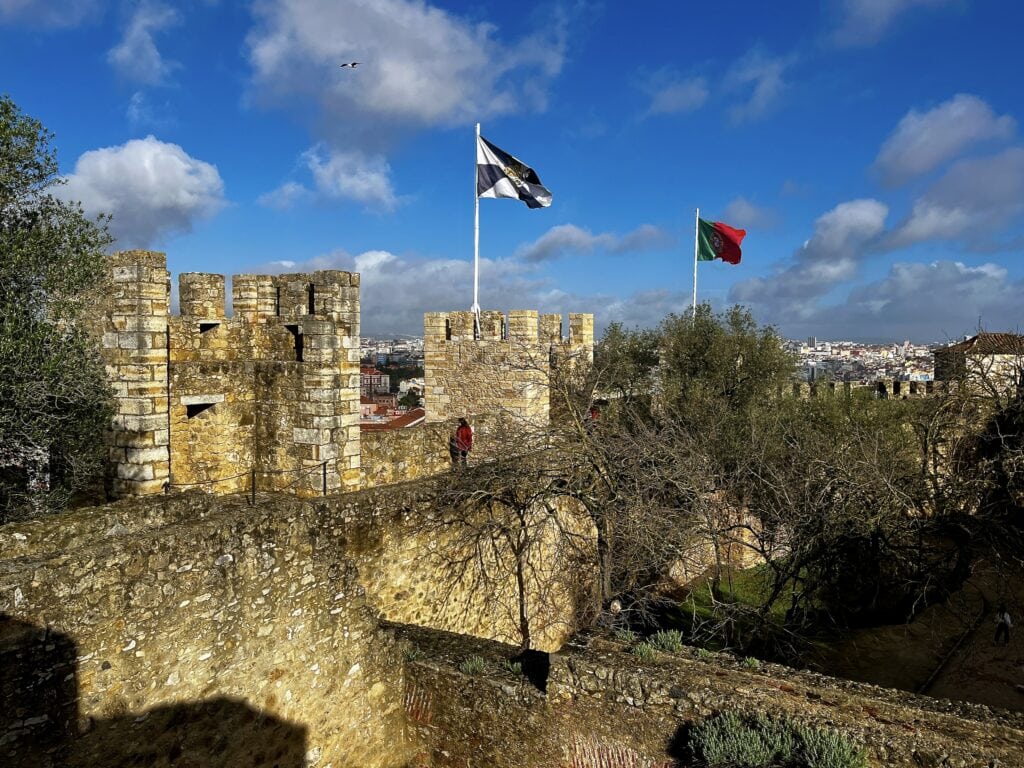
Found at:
<point>696,240</point>
<point>476,239</point>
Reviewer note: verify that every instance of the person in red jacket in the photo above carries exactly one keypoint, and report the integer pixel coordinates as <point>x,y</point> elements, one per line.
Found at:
<point>464,440</point>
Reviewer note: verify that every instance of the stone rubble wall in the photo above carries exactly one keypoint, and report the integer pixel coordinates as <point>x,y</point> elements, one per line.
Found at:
<point>604,708</point>
<point>174,629</point>
<point>168,613</point>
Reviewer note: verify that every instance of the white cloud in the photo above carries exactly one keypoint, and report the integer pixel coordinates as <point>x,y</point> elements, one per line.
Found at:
<point>352,175</point>
<point>420,65</point>
<point>744,214</point>
<point>842,238</point>
<point>136,57</point>
<point>568,239</point>
<point>152,189</point>
<point>396,291</point>
<point>924,140</point>
<point>975,198</point>
<point>678,96</point>
<point>763,76</point>
<point>864,22</point>
<point>49,13</point>
<point>284,197</point>
<point>924,302</point>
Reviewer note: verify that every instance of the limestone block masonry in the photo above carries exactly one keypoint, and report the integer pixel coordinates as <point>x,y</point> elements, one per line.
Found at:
<point>503,369</point>
<point>205,400</point>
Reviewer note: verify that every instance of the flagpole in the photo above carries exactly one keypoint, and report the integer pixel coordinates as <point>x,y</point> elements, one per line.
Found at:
<point>476,239</point>
<point>696,241</point>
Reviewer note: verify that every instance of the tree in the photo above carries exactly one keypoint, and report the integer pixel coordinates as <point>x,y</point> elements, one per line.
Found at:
<point>54,397</point>
<point>510,538</point>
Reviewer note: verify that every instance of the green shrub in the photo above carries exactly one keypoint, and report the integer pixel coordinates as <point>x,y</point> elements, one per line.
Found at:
<point>474,665</point>
<point>729,740</point>
<point>826,748</point>
<point>749,662</point>
<point>705,654</point>
<point>643,651</point>
<point>624,636</point>
<point>515,667</point>
<point>670,641</point>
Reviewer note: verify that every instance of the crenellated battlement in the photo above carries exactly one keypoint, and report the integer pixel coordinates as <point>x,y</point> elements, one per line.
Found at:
<point>888,389</point>
<point>505,368</point>
<point>207,400</point>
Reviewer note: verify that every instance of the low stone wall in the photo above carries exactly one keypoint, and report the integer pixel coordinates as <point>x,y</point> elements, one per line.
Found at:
<point>603,708</point>
<point>227,627</point>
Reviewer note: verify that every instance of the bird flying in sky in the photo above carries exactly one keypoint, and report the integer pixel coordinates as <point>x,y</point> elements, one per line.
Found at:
<point>351,65</point>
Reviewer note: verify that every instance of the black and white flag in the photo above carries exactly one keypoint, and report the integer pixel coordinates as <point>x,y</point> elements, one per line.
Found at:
<point>498,174</point>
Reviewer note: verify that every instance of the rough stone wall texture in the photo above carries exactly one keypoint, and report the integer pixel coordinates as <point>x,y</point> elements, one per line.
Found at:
<point>203,399</point>
<point>504,371</point>
<point>390,456</point>
<point>193,630</point>
<point>415,453</point>
<point>605,709</point>
<point>170,613</point>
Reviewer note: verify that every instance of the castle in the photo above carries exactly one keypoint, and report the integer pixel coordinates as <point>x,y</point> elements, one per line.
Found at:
<point>312,626</point>
<point>268,398</point>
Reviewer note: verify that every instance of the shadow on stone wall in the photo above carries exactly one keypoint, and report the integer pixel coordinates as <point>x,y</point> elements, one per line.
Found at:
<point>40,724</point>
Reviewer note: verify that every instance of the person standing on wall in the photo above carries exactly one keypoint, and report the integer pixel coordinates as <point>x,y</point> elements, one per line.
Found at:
<point>1003,624</point>
<point>464,440</point>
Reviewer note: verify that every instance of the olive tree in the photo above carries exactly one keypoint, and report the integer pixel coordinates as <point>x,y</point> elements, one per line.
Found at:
<point>54,398</point>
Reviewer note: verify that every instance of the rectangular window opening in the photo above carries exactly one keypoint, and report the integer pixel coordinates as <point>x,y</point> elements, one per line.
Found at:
<point>311,308</point>
<point>277,301</point>
<point>204,327</point>
<point>447,329</point>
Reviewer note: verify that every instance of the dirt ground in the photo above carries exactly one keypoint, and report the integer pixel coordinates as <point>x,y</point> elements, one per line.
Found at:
<point>947,651</point>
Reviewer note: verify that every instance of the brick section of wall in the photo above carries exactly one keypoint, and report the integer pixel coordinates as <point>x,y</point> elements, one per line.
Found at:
<point>134,345</point>
<point>504,371</point>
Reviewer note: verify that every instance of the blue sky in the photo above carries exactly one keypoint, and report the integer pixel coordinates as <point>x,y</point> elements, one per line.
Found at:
<point>871,148</point>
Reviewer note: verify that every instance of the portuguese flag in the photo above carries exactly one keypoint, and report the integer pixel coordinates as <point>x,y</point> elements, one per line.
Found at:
<point>716,240</point>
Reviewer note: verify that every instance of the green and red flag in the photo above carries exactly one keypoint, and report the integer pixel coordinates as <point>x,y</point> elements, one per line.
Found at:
<point>716,240</point>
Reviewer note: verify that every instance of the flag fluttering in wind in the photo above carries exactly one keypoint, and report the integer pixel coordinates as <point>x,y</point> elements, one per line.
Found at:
<point>719,241</point>
<point>498,174</point>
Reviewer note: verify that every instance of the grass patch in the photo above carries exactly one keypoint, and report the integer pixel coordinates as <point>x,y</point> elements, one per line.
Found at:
<point>624,636</point>
<point>515,667</point>
<point>749,662</point>
<point>760,741</point>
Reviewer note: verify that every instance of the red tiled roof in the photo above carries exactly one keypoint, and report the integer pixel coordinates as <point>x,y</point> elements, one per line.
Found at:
<point>991,344</point>
<point>408,419</point>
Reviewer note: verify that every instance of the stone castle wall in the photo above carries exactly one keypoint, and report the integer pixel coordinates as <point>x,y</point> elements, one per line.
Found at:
<point>604,708</point>
<point>506,370</point>
<point>205,400</point>
<point>193,629</point>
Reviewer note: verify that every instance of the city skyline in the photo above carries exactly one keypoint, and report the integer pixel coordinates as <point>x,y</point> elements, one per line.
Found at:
<point>874,159</point>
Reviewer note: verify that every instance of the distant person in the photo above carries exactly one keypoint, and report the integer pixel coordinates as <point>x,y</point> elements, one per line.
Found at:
<point>1003,624</point>
<point>464,440</point>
